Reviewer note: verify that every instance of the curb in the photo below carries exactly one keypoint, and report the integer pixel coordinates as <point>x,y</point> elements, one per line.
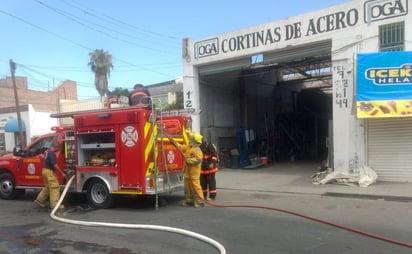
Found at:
<point>367,196</point>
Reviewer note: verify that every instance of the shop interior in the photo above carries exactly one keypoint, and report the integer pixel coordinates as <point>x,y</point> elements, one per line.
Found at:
<point>278,107</point>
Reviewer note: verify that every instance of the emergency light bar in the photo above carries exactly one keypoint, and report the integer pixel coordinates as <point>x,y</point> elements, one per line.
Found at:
<point>61,128</point>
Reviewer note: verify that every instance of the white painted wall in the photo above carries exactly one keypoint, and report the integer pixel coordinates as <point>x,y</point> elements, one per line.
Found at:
<point>357,32</point>
<point>191,93</point>
<point>40,123</point>
<point>37,123</point>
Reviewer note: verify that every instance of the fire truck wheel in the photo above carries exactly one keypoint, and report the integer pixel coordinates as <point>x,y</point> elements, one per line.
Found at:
<point>98,194</point>
<point>7,186</point>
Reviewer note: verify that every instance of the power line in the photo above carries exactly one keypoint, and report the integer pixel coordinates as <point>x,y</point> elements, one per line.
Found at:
<point>81,22</point>
<point>41,86</point>
<point>35,71</point>
<point>60,79</point>
<point>46,31</point>
<point>119,23</point>
<point>78,44</point>
<point>119,68</point>
<point>27,70</point>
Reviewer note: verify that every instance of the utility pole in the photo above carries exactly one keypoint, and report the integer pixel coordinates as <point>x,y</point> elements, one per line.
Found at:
<point>16,98</point>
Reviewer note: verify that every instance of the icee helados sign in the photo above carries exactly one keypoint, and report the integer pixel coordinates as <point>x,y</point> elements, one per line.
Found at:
<point>384,84</point>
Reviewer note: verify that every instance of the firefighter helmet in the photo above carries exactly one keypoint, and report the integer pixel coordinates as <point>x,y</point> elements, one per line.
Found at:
<point>196,137</point>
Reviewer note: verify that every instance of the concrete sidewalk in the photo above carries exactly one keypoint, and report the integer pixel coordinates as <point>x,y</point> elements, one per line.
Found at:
<point>295,177</point>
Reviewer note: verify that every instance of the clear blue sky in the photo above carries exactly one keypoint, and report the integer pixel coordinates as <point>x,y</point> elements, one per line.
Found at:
<point>50,40</point>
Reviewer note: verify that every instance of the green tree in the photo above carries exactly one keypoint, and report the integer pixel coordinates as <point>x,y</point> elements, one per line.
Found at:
<point>101,63</point>
<point>119,91</point>
<point>177,105</point>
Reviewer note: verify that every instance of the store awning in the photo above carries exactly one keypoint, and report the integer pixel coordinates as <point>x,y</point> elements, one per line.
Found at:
<point>12,125</point>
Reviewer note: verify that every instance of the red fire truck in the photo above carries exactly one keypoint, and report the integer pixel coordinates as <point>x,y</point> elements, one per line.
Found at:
<point>111,151</point>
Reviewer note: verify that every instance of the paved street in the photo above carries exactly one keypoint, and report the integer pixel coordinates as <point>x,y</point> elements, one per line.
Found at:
<point>247,228</point>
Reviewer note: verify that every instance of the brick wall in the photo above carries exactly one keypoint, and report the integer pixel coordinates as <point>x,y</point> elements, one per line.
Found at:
<point>21,82</point>
<point>41,101</point>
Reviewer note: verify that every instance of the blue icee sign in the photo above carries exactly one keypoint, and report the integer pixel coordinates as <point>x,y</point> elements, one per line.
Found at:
<point>384,84</point>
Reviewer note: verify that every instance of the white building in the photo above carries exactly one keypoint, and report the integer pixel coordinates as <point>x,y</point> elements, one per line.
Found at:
<point>35,110</point>
<point>34,123</point>
<point>292,83</point>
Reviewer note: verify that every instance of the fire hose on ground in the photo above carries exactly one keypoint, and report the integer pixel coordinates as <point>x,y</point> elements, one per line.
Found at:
<point>354,230</point>
<point>203,238</point>
<point>350,229</point>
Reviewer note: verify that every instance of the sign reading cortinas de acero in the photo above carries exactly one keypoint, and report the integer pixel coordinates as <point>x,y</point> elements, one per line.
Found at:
<point>282,33</point>
<point>384,84</point>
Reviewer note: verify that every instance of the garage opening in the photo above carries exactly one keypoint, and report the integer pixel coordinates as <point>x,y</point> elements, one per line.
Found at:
<point>279,107</point>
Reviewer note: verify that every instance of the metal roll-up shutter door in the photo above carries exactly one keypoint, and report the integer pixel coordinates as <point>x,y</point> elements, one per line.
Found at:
<point>389,148</point>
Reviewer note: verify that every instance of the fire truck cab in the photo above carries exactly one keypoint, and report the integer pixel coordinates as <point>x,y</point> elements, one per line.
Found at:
<point>22,169</point>
<point>111,151</point>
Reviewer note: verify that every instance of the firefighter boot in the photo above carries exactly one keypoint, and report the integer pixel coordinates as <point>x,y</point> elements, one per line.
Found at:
<point>199,204</point>
<point>187,203</point>
<point>39,203</point>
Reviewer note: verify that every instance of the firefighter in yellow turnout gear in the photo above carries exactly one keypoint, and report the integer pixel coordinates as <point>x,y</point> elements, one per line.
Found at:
<point>51,189</point>
<point>191,170</point>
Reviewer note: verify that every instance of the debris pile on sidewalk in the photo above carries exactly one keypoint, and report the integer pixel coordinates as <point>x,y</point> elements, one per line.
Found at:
<point>363,177</point>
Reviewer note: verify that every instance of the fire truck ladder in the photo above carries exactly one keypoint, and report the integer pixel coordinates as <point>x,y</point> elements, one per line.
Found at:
<point>153,120</point>
<point>161,135</point>
<point>176,112</point>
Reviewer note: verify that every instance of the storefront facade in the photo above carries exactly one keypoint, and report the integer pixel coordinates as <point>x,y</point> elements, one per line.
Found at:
<point>238,80</point>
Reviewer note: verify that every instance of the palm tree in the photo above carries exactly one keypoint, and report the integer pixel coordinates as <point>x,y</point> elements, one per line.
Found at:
<point>101,63</point>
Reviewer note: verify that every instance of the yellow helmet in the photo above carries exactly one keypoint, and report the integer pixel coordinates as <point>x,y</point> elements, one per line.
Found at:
<point>196,137</point>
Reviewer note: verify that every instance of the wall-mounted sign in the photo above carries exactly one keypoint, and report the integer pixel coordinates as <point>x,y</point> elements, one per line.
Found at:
<point>286,31</point>
<point>384,84</point>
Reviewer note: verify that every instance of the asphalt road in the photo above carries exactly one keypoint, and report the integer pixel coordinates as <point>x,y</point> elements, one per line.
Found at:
<point>26,228</point>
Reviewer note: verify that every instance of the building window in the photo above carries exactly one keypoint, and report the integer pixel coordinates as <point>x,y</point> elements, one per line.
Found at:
<point>2,142</point>
<point>392,37</point>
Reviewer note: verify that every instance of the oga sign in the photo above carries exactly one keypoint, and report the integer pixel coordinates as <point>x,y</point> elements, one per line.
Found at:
<point>378,10</point>
<point>207,48</point>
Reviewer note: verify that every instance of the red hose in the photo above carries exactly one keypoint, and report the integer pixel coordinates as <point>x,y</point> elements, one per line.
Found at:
<point>354,230</point>
<point>382,238</point>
